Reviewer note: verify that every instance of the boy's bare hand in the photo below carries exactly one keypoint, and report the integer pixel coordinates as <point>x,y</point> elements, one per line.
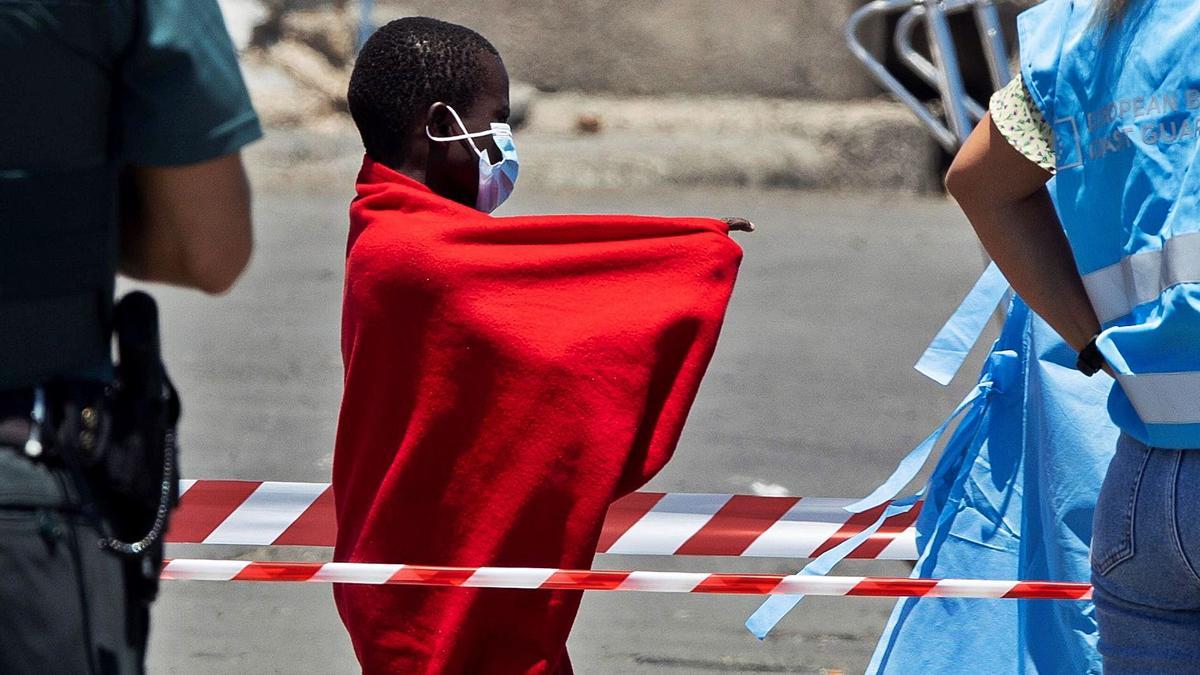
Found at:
<point>739,224</point>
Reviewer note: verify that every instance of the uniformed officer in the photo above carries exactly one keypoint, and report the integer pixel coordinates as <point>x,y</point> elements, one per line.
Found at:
<point>122,122</point>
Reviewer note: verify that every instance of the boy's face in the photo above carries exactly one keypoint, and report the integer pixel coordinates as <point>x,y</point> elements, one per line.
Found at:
<point>452,169</point>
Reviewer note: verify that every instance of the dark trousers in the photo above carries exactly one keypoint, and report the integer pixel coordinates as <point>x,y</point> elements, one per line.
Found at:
<point>63,601</point>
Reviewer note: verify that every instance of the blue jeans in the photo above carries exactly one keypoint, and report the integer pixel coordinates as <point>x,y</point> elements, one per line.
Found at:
<point>1146,560</point>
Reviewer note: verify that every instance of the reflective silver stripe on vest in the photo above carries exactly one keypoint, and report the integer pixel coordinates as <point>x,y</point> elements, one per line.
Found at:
<point>1164,398</point>
<point>1142,277</point>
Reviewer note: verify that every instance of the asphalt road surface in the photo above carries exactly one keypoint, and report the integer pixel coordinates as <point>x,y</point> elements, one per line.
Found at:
<point>811,392</point>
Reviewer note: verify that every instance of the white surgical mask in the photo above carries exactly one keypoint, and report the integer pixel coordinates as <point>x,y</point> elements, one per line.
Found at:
<point>496,181</point>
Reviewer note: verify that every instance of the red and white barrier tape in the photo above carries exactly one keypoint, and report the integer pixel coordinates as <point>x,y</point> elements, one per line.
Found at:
<point>644,523</point>
<point>611,580</point>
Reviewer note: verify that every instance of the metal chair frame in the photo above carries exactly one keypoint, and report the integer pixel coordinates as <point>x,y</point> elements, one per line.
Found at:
<point>941,70</point>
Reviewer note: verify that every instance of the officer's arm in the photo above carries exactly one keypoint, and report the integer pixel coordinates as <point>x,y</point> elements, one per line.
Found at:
<point>187,225</point>
<point>1004,196</point>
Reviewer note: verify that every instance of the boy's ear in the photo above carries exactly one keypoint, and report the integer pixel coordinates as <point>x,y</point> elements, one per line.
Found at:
<point>438,120</point>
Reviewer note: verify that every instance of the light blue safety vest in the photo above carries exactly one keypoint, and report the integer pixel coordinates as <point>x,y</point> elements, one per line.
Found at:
<point>1124,101</point>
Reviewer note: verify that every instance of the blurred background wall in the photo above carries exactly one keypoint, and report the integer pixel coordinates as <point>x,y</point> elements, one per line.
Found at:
<point>779,48</point>
<point>767,88</point>
<point>787,48</point>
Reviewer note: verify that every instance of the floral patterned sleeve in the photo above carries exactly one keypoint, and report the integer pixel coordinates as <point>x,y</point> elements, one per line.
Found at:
<point>1021,123</point>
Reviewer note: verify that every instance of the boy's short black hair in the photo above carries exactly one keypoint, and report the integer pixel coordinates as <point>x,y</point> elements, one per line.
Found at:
<point>405,67</point>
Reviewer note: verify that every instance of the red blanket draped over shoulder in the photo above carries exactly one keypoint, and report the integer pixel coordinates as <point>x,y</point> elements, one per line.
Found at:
<point>507,379</point>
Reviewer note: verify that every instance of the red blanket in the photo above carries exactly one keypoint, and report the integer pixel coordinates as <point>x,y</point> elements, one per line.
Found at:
<point>507,379</point>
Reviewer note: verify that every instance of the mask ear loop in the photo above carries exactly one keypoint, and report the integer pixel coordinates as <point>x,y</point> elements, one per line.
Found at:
<point>466,135</point>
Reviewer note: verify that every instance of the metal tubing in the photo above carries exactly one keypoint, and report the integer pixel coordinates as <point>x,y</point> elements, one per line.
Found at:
<point>987,18</point>
<point>944,136</point>
<point>945,57</point>
<point>903,37</point>
<point>943,73</point>
<point>920,65</point>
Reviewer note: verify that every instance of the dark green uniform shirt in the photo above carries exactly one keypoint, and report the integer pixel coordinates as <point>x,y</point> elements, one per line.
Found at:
<point>86,87</point>
<point>171,83</point>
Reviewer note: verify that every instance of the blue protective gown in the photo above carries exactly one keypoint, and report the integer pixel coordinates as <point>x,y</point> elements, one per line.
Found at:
<point>1011,498</point>
<point>1013,494</point>
<point>1124,99</point>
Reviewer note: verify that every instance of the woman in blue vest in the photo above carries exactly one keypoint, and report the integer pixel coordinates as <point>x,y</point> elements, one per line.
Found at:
<point>1109,105</point>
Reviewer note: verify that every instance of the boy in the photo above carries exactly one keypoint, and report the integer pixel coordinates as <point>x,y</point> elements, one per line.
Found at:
<point>507,379</point>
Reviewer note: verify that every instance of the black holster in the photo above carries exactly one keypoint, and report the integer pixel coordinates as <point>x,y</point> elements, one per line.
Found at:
<point>139,482</point>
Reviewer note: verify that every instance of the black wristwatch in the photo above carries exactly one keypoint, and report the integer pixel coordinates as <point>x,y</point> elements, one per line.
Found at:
<point>1090,359</point>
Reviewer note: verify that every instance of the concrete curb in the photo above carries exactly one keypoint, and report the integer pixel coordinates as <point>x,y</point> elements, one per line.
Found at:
<point>577,141</point>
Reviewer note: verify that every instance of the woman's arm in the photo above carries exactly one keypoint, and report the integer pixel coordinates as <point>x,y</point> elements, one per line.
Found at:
<point>1004,196</point>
